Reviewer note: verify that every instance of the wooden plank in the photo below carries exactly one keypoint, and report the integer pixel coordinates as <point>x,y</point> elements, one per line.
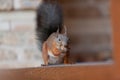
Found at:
<point>76,72</point>
<point>116,36</point>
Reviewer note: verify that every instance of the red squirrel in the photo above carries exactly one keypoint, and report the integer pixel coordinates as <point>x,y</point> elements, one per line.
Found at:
<point>51,41</point>
<point>55,49</point>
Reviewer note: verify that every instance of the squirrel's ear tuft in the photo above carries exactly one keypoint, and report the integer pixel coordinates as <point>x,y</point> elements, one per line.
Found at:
<point>58,30</point>
<point>65,30</point>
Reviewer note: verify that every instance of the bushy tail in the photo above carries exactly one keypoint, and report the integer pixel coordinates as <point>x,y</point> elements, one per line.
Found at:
<point>49,19</point>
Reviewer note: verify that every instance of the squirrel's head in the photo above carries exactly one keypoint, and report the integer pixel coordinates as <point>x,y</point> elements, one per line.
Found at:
<point>60,42</point>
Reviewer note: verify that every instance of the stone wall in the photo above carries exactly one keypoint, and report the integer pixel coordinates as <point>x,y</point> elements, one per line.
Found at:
<point>17,27</point>
<point>17,34</point>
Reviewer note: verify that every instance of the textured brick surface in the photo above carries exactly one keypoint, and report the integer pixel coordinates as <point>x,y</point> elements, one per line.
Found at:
<point>7,55</point>
<point>22,26</point>
<point>26,4</point>
<point>6,4</point>
<point>17,15</point>
<point>18,41</point>
<point>4,26</point>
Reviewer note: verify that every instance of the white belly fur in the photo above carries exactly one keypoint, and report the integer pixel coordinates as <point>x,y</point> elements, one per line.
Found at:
<point>55,59</point>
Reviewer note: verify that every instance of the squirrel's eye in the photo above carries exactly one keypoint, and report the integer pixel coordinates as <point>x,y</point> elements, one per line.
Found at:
<point>59,39</point>
<point>68,39</point>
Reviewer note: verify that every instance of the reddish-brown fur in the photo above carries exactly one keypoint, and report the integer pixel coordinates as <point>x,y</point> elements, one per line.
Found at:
<point>54,50</point>
<point>51,45</point>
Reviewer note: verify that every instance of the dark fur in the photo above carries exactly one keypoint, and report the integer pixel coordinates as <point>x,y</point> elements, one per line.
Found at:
<point>49,18</point>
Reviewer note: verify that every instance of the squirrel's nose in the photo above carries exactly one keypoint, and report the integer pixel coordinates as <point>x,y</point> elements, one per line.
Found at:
<point>64,49</point>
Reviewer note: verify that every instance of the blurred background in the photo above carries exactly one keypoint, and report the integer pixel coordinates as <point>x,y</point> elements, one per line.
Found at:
<point>88,23</point>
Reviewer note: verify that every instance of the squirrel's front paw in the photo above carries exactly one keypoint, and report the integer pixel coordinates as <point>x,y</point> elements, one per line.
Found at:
<point>44,65</point>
